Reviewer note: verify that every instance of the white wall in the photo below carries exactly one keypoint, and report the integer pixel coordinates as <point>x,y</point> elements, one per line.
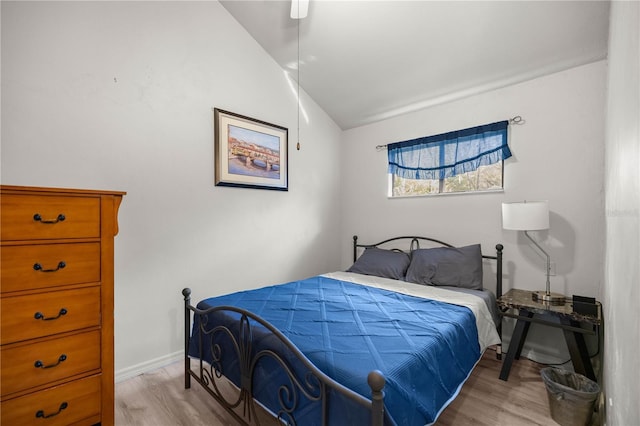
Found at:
<point>557,155</point>
<point>621,293</point>
<point>119,96</point>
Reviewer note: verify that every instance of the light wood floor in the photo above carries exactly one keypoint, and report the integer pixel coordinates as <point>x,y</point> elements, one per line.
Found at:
<point>158,398</point>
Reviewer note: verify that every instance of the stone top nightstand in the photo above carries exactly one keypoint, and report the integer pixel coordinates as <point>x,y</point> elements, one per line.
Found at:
<point>519,304</point>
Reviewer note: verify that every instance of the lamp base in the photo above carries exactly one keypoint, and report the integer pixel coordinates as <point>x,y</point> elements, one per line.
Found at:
<point>551,298</point>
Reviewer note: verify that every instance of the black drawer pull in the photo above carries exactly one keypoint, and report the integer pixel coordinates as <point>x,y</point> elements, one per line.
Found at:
<point>39,218</point>
<point>40,364</point>
<point>38,267</point>
<point>40,315</point>
<point>41,414</point>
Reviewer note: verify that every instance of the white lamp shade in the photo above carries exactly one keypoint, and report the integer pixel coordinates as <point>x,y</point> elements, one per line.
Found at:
<point>526,215</point>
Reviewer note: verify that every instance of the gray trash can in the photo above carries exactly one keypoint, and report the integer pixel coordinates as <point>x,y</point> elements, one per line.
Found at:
<point>571,396</point>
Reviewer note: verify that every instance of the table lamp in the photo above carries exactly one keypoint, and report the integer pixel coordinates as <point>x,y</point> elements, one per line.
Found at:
<point>532,216</point>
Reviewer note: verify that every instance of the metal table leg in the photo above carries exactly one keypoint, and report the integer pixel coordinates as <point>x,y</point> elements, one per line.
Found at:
<point>579,353</point>
<point>517,341</point>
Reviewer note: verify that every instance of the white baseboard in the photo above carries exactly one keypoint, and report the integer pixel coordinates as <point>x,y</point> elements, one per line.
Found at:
<point>145,367</point>
<point>541,353</point>
<point>538,353</point>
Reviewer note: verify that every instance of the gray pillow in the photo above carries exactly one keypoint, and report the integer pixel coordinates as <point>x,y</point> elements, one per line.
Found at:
<point>382,263</point>
<point>451,266</point>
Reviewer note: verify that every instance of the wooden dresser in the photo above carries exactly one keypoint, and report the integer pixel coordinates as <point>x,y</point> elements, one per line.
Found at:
<point>56,305</point>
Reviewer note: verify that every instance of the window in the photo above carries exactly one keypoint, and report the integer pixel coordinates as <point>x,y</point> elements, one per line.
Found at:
<point>485,178</point>
<point>468,160</point>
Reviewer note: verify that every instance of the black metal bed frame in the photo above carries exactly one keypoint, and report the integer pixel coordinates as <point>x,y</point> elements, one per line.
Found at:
<point>314,385</point>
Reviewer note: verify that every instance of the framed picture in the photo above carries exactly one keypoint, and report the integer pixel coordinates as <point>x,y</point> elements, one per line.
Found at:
<point>250,153</point>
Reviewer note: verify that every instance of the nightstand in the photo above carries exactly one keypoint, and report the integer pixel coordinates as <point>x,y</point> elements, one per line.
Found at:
<point>519,304</point>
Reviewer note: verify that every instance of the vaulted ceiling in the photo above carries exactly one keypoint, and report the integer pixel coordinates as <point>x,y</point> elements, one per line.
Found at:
<point>364,61</point>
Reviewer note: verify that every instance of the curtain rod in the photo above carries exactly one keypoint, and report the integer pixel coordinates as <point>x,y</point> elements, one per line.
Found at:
<point>515,120</point>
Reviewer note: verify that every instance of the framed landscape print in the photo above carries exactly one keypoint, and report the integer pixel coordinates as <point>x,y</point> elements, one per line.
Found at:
<point>250,153</point>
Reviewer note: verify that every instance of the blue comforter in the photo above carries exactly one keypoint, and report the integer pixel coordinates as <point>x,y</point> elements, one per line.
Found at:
<point>426,349</point>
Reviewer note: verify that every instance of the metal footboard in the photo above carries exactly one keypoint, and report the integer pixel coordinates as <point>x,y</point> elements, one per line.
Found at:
<point>301,381</point>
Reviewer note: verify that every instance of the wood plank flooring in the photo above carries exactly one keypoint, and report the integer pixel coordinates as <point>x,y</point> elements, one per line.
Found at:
<point>158,398</point>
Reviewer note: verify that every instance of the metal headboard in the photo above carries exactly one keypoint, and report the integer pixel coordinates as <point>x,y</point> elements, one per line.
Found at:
<point>415,245</point>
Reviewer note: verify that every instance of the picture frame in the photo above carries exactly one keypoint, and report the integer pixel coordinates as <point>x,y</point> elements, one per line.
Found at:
<point>250,153</point>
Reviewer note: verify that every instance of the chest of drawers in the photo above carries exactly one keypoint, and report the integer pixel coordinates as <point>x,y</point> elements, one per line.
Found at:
<point>56,305</point>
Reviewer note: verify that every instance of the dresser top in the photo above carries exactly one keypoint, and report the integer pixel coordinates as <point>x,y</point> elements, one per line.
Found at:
<point>44,190</point>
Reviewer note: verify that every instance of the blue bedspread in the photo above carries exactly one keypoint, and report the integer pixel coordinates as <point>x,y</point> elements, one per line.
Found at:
<point>425,349</point>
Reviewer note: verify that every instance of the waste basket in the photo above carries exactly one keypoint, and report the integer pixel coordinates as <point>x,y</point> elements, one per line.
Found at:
<point>571,396</point>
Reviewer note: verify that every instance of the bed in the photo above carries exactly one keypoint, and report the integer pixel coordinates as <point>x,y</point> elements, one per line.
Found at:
<point>390,341</point>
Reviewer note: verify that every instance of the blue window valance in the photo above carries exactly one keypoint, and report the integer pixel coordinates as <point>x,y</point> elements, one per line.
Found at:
<point>449,154</point>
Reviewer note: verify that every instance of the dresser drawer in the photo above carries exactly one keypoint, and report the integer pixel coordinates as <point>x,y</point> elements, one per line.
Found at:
<point>26,366</point>
<point>66,404</point>
<point>48,265</point>
<point>42,314</point>
<point>29,217</point>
